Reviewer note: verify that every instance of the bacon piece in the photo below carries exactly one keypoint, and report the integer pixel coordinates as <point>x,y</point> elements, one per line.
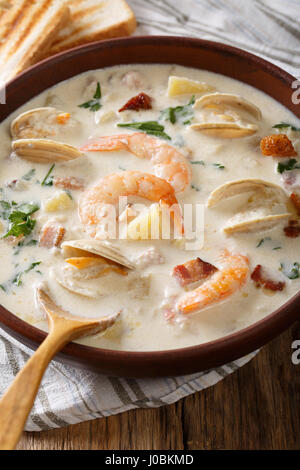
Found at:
<point>68,182</point>
<point>295,198</point>
<point>261,281</point>
<point>52,234</point>
<point>292,230</point>
<point>277,145</point>
<point>192,271</point>
<point>140,101</point>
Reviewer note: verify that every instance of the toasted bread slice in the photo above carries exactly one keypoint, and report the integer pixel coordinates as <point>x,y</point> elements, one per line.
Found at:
<point>93,20</point>
<point>28,29</point>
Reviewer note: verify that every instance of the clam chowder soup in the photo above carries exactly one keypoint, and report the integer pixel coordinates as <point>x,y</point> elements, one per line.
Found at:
<point>168,194</point>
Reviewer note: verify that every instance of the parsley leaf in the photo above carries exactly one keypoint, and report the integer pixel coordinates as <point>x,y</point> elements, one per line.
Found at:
<point>149,127</point>
<point>29,175</point>
<point>20,220</point>
<point>286,125</point>
<point>220,166</point>
<point>17,281</point>
<point>94,104</point>
<point>179,113</point>
<point>5,208</point>
<point>289,165</point>
<point>290,270</point>
<point>48,180</point>
<point>197,162</point>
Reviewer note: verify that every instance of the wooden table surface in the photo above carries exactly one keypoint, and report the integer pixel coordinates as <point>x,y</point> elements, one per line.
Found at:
<point>257,407</point>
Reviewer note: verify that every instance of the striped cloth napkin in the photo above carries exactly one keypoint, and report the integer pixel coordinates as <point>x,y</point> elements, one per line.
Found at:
<point>270,28</point>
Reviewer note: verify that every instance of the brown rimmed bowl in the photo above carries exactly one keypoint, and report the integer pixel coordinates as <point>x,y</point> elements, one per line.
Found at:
<point>197,53</point>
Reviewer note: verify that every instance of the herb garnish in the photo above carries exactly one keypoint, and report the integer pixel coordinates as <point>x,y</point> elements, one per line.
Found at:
<point>197,162</point>
<point>220,166</point>
<point>22,243</point>
<point>292,271</point>
<point>262,241</point>
<point>17,281</point>
<point>291,164</point>
<point>193,186</point>
<point>29,175</point>
<point>48,180</point>
<point>286,125</point>
<point>19,218</point>
<point>179,113</point>
<point>149,127</point>
<point>94,104</point>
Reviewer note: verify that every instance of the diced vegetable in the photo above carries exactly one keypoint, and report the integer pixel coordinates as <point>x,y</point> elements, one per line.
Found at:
<point>59,202</point>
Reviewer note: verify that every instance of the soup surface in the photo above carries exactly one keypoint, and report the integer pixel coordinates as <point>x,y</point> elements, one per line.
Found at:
<point>224,289</point>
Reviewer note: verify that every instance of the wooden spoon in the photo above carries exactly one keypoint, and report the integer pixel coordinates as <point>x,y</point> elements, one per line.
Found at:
<point>18,400</point>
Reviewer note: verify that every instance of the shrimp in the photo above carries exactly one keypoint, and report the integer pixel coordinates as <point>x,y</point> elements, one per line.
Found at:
<point>168,162</point>
<point>93,202</point>
<point>231,277</point>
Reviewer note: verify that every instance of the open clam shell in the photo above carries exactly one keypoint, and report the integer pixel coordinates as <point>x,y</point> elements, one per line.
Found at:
<point>97,247</point>
<point>225,130</point>
<point>66,278</point>
<point>39,123</point>
<point>256,225</point>
<point>265,209</point>
<point>45,150</point>
<point>228,99</point>
<point>247,185</point>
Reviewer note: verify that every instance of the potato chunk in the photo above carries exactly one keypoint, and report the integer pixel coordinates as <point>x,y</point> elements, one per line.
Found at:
<point>182,86</point>
<point>61,201</point>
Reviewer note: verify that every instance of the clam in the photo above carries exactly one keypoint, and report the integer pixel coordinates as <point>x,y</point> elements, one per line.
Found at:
<point>226,123</point>
<point>256,224</point>
<point>247,185</point>
<point>225,130</point>
<point>40,123</point>
<point>263,210</point>
<point>45,150</point>
<point>89,260</point>
<point>103,249</point>
<point>221,100</point>
<point>66,277</point>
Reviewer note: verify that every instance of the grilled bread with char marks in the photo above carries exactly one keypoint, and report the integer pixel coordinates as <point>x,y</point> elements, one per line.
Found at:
<point>93,20</point>
<point>27,31</point>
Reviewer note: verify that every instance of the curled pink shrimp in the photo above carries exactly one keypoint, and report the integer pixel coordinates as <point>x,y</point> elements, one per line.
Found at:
<point>231,277</point>
<point>93,202</point>
<point>168,162</point>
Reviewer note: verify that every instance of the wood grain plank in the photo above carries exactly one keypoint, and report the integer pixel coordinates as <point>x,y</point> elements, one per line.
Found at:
<point>257,407</point>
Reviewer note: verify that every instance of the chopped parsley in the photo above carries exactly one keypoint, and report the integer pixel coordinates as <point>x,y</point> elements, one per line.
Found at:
<point>22,243</point>
<point>48,180</point>
<point>149,127</point>
<point>220,166</point>
<point>291,164</point>
<point>286,125</point>
<point>183,114</point>
<point>19,216</point>
<point>29,175</point>
<point>17,280</point>
<point>262,241</point>
<point>197,162</point>
<point>94,104</point>
<point>290,270</point>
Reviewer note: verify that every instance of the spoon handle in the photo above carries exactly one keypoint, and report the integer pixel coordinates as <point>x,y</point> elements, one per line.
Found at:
<point>18,400</point>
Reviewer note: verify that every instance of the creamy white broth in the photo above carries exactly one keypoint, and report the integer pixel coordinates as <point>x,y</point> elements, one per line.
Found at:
<point>142,325</point>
